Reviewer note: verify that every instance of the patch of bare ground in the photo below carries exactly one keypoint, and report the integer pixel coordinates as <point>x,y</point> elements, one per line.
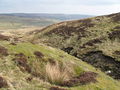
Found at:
<point>3,51</point>
<point>117,27</point>
<point>107,64</point>
<point>114,35</point>
<point>92,42</point>
<point>67,49</point>
<point>57,88</point>
<point>13,43</point>
<point>21,60</point>
<point>51,61</point>
<point>38,54</point>
<point>83,79</point>
<point>3,83</point>
<point>117,52</point>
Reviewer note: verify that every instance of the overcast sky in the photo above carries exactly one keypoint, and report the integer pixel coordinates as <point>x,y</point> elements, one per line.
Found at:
<point>91,7</point>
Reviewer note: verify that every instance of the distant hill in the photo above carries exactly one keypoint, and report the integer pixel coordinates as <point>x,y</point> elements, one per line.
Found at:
<point>21,20</point>
<point>62,17</point>
<point>94,40</point>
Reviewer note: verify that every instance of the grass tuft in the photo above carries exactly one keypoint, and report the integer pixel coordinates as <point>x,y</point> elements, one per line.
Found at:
<point>55,74</point>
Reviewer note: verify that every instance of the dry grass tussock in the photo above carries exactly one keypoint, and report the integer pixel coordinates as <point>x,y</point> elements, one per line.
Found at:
<point>57,74</point>
<point>52,71</point>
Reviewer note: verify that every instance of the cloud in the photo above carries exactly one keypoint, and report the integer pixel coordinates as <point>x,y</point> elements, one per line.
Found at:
<point>61,6</point>
<point>95,2</point>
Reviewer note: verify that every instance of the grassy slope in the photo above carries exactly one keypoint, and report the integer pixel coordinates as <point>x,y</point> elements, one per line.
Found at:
<point>94,40</point>
<point>17,79</point>
<point>100,31</point>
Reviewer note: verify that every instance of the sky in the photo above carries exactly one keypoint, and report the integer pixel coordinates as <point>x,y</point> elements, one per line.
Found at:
<point>89,7</point>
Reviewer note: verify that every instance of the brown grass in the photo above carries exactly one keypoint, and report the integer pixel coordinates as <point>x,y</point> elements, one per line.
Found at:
<point>55,74</point>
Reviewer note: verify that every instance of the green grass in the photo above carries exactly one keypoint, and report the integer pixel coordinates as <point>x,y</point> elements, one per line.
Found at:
<point>12,73</point>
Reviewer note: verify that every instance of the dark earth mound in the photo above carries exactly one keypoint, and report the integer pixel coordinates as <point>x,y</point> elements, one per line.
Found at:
<point>85,78</point>
<point>57,88</point>
<point>21,60</point>
<point>38,54</point>
<point>3,82</point>
<point>104,62</point>
<point>3,51</point>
